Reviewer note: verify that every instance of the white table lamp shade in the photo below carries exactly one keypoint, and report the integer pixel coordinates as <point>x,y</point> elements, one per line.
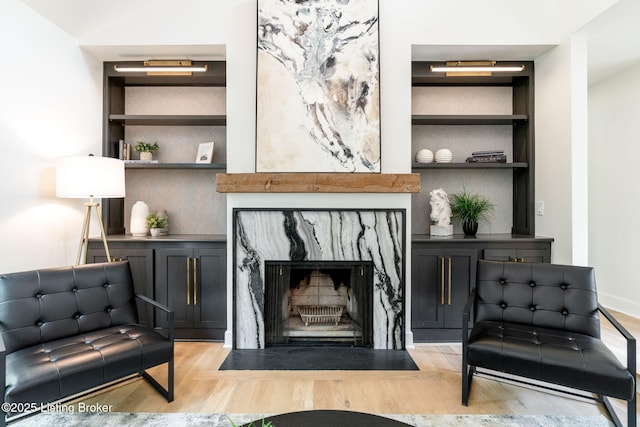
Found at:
<point>89,176</point>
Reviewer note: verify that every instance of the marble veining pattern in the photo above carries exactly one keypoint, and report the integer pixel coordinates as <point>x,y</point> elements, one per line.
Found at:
<point>333,235</point>
<point>318,86</point>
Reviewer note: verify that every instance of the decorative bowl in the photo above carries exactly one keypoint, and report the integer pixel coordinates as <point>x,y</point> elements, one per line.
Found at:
<point>444,155</point>
<point>424,156</point>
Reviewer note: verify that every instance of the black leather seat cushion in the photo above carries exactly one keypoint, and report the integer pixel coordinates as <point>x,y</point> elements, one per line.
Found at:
<point>556,356</point>
<point>56,369</point>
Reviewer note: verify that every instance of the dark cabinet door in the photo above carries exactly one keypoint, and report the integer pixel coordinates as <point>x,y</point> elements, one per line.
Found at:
<point>141,264</point>
<point>210,288</point>
<point>174,281</point>
<point>460,275</point>
<point>426,289</point>
<point>440,285</point>
<point>192,282</point>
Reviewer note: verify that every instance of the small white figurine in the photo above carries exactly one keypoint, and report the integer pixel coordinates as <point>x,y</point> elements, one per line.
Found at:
<point>440,213</point>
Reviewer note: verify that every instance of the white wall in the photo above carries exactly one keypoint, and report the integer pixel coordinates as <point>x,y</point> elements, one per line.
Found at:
<point>65,101</point>
<point>614,194</point>
<point>561,145</point>
<point>51,106</point>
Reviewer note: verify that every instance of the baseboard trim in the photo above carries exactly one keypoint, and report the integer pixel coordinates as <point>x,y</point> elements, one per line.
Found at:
<point>619,304</point>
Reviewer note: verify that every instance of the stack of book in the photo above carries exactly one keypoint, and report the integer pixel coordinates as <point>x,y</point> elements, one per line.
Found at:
<point>489,156</point>
<point>122,149</point>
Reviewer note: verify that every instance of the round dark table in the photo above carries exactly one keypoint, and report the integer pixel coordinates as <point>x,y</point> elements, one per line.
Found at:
<point>328,418</point>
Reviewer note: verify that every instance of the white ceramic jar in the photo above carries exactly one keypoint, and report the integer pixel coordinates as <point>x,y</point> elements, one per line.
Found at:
<point>138,225</point>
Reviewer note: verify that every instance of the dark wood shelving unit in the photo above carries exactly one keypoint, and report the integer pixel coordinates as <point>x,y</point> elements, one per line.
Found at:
<point>203,166</point>
<point>167,120</point>
<point>486,165</point>
<point>523,162</point>
<point>443,268</point>
<point>115,120</point>
<point>469,119</point>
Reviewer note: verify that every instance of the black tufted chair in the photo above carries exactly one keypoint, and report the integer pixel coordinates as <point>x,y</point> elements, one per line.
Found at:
<point>541,322</point>
<point>67,330</point>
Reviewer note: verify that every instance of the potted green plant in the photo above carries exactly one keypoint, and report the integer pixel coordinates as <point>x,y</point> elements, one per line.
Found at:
<point>146,150</point>
<point>156,224</point>
<point>470,209</point>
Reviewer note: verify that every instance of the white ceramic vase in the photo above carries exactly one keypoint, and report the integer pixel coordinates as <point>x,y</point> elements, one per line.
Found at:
<point>138,224</point>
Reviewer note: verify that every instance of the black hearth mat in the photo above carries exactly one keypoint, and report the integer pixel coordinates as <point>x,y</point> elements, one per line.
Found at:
<point>319,358</point>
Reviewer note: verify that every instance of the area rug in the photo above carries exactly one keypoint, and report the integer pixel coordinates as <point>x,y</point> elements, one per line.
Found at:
<point>231,420</point>
<point>318,358</point>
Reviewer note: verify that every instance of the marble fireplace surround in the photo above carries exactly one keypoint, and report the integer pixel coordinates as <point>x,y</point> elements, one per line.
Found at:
<point>376,235</point>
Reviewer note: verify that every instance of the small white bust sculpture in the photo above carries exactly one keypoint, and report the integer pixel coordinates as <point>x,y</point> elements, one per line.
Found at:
<point>440,213</point>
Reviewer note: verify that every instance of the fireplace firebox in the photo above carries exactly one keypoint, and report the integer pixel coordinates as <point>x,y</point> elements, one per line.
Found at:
<point>319,302</point>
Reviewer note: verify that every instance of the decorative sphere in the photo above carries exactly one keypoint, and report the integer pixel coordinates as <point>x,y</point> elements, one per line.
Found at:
<point>444,155</point>
<point>424,156</point>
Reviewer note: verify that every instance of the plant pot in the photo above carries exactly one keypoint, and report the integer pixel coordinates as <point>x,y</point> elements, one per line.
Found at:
<point>470,228</point>
<point>155,232</point>
<point>146,156</point>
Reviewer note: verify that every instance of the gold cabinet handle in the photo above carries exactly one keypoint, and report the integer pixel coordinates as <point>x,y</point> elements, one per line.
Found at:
<point>188,281</point>
<point>441,281</point>
<point>449,297</point>
<point>195,281</point>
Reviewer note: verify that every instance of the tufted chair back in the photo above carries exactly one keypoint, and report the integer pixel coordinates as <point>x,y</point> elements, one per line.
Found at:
<point>49,304</point>
<point>543,295</point>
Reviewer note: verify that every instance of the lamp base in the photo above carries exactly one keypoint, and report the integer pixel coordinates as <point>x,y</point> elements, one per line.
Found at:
<point>84,237</point>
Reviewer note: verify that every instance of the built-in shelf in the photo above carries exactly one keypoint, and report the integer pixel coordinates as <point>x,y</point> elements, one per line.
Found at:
<point>317,183</point>
<point>168,120</point>
<point>217,166</point>
<point>471,119</point>
<point>473,113</point>
<point>484,165</point>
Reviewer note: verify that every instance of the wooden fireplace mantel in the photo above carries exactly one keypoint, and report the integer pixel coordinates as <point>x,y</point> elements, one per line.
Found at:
<point>317,183</point>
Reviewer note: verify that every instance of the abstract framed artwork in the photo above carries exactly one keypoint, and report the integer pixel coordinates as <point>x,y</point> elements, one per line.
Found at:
<point>318,92</point>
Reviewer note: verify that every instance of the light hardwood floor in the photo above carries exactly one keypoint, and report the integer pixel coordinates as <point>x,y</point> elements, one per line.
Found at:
<point>434,389</point>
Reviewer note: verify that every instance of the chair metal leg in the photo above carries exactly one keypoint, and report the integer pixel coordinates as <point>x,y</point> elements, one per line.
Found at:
<point>467,376</point>
<point>614,416</point>
<point>170,381</point>
<point>631,412</point>
<point>168,392</point>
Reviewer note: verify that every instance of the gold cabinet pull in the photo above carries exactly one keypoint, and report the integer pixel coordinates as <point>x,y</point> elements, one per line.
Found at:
<point>188,281</point>
<point>449,298</point>
<point>195,281</point>
<point>441,281</point>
